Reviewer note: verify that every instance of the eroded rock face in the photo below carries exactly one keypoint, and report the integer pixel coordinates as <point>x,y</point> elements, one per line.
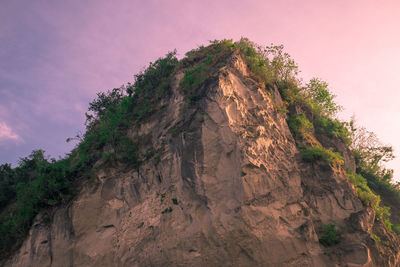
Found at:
<point>229,190</point>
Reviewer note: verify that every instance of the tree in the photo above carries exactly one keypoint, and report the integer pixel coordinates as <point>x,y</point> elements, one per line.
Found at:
<point>105,101</point>
<point>322,99</point>
<point>370,153</point>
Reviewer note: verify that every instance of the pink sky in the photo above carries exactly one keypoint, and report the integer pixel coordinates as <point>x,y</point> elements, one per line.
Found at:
<point>55,55</point>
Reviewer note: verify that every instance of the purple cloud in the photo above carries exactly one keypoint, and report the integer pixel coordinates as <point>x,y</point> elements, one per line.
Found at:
<point>7,134</point>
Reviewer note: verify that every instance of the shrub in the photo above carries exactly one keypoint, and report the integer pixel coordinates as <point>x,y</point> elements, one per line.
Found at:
<point>38,183</point>
<point>7,180</point>
<point>194,77</point>
<point>104,102</point>
<point>128,151</point>
<point>396,228</point>
<point>370,154</point>
<point>319,153</point>
<point>153,83</point>
<point>377,239</point>
<point>363,191</point>
<point>332,127</point>
<point>167,210</point>
<point>369,198</point>
<point>299,125</point>
<point>329,236</point>
<point>321,99</point>
<point>269,64</point>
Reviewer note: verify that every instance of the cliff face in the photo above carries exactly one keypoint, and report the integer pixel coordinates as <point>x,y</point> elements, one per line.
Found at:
<point>229,189</point>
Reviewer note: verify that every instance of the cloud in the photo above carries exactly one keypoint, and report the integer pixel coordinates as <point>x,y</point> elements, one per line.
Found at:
<point>6,133</point>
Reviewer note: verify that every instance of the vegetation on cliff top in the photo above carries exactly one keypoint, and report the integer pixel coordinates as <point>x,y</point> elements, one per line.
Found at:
<point>39,183</point>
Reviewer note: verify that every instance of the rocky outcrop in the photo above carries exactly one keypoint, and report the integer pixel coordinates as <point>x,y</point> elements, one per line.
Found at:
<point>228,188</point>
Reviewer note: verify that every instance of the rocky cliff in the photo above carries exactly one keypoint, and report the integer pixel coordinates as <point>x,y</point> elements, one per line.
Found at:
<point>228,188</point>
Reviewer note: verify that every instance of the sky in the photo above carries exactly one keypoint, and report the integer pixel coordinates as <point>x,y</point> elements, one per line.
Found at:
<point>56,55</point>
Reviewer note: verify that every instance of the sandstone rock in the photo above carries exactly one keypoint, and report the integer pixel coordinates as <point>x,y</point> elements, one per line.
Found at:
<point>243,197</point>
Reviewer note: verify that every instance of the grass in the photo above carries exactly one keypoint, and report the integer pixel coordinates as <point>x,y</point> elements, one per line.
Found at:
<point>332,127</point>
<point>299,125</point>
<point>369,198</point>
<point>319,153</point>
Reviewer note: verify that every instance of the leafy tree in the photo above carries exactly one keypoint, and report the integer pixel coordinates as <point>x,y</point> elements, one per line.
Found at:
<point>105,101</point>
<point>321,99</point>
<point>154,81</point>
<point>283,66</point>
<point>269,64</point>
<point>7,180</point>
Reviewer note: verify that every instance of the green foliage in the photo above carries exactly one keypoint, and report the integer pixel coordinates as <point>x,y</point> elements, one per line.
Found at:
<point>104,102</point>
<point>332,127</point>
<point>370,154</point>
<point>329,236</point>
<point>128,152</point>
<point>209,59</point>
<point>194,77</point>
<point>114,112</point>
<point>37,183</point>
<point>299,125</point>
<point>200,65</point>
<point>396,228</point>
<point>273,66</point>
<point>364,193</point>
<point>369,198</point>
<point>149,153</point>
<point>195,51</point>
<point>321,99</point>
<point>154,81</point>
<point>377,239</point>
<point>269,64</point>
<point>319,153</point>
<point>157,159</point>
<point>175,201</point>
<point>167,210</point>
<point>282,109</point>
<point>7,180</point>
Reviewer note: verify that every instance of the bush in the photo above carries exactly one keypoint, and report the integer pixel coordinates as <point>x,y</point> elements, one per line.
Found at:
<point>104,102</point>
<point>363,191</point>
<point>319,153</point>
<point>38,184</point>
<point>332,127</point>
<point>369,198</point>
<point>299,125</point>
<point>270,64</point>
<point>329,236</point>
<point>194,77</point>
<point>7,180</point>
<point>321,99</point>
<point>167,210</point>
<point>396,228</point>
<point>153,83</point>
